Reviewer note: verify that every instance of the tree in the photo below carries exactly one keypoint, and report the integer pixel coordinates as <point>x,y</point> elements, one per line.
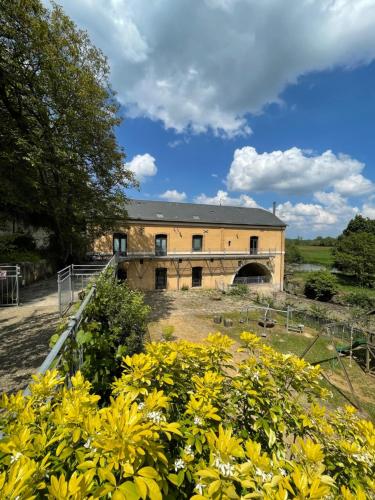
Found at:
<point>355,254</point>
<point>60,164</point>
<point>360,224</point>
<point>321,285</point>
<point>293,254</point>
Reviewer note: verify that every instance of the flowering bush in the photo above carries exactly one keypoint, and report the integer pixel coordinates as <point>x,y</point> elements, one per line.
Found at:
<point>183,422</point>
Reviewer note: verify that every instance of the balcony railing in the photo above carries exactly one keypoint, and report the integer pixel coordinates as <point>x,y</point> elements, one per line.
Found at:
<point>235,254</point>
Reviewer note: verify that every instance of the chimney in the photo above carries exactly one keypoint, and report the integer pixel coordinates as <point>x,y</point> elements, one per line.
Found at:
<point>274,208</point>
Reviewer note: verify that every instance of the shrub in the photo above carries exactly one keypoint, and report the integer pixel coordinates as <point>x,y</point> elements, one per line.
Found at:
<point>185,288</point>
<point>167,332</point>
<point>293,253</point>
<point>321,285</point>
<point>361,298</point>
<point>115,325</point>
<point>179,426</point>
<point>239,290</point>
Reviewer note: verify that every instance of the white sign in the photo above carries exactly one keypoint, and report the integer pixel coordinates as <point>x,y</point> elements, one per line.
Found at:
<point>3,275</point>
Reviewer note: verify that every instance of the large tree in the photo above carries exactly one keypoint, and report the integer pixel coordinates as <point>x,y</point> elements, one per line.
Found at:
<point>355,250</point>
<point>60,164</point>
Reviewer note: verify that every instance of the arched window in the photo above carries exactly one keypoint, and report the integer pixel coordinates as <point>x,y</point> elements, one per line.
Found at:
<point>161,244</point>
<point>254,240</point>
<point>120,244</point>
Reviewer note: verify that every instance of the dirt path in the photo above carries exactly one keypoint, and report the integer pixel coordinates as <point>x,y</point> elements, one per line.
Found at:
<point>25,332</point>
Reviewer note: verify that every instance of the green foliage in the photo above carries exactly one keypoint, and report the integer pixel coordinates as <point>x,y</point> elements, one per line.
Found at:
<point>185,288</point>
<point>116,324</point>
<point>179,426</point>
<point>360,224</point>
<point>167,332</point>
<point>293,253</point>
<point>18,247</point>
<point>355,254</point>
<point>60,165</point>
<point>361,298</point>
<point>321,285</point>
<point>238,290</point>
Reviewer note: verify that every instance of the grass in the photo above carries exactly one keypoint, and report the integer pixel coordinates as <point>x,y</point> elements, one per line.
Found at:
<point>317,255</point>
<point>346,283</point>
<point>323,352</point>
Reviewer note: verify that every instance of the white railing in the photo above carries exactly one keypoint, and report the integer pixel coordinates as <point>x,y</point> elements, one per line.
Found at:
<point>251,280</point>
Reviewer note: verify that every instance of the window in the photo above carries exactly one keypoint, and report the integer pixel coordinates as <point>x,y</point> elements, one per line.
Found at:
<point>254,245</point>
<point>160,278</point>
<point>197,243</point>
<point>196,276</point>
<point>120,244</point>
<point>161,244</point>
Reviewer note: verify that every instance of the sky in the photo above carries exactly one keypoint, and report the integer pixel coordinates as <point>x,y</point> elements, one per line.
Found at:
<point>245,102</point>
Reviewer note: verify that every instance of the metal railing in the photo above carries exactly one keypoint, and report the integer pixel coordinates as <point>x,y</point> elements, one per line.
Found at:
<point>56,354</point>
<point>251,280</point>
<point>75,278</point>
<point>9,285</point>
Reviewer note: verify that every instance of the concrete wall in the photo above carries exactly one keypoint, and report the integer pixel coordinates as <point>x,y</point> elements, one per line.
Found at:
<point>216,271</point>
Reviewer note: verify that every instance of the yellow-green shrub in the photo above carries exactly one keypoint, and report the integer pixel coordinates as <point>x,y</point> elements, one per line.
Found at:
<point>183,423</point>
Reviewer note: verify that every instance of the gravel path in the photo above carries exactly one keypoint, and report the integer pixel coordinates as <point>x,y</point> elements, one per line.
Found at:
<point>25,332</point>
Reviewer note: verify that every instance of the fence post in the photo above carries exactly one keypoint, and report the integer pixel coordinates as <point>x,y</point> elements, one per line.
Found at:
<point>18,272</point>
<point>71,282</point>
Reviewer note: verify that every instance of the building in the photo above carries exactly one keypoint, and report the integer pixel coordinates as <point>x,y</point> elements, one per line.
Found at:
<point>165,245</point>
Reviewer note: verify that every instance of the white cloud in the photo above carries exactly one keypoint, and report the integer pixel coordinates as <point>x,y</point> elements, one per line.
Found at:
<point>223,198</point>
<point>231,58</point>
<point>329,216</point>
<point>215,176</point>
<point>173,195</point>
<point>142,166</point>
<point>296,171</point>
<point>368,211</point>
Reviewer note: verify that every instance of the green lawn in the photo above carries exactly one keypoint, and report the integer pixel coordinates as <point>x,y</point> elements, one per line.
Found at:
<point>323,352</point>
<point>317,255</point>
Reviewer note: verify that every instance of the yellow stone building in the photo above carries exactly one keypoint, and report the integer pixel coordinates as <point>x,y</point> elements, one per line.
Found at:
<point>165,245</point>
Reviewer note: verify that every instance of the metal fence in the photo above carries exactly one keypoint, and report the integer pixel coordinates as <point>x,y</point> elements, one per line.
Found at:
<point>56,354</point>
<point>74,278</point>
<point>9,285</point>
<point>251,280</point>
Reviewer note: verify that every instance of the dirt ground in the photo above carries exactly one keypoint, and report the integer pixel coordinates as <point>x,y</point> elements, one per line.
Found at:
<point>187,312</point>
<point>191,314</point>
<point>25,332</point>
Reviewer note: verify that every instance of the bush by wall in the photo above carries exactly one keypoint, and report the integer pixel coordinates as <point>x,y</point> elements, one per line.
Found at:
<point>180,425</point>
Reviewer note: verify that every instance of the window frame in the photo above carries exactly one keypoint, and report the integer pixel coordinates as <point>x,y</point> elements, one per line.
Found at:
<point>159,251</point>
<point>120,237</point>
<point>254,249</point>
<point>200,238</point>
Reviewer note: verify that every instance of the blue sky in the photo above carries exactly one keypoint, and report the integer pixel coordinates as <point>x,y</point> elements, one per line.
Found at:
<point>246,102</point>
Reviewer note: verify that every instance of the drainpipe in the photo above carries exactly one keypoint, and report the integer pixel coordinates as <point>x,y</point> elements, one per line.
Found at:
<point>274,208</point>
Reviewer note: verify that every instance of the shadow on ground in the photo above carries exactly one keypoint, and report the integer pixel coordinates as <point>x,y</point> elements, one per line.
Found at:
<point>23,347</point>
<point>161,305</point>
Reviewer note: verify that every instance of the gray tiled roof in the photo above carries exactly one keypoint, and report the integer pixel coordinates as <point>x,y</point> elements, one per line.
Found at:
<point>192,212</point>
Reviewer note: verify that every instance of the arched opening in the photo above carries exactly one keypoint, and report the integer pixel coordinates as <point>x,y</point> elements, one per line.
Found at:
<point>252,273</point>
